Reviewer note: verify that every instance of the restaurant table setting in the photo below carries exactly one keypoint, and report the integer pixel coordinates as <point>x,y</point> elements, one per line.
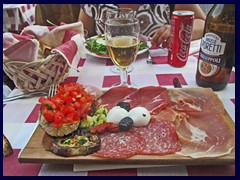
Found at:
<point>18,16</point>
<point>20,117</point>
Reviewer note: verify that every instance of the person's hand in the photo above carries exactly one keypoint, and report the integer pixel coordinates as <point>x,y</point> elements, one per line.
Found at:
<point>161,36</point>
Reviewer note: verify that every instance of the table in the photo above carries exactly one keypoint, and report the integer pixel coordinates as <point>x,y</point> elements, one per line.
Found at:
<point>20,116</point>
<point>18,16</point>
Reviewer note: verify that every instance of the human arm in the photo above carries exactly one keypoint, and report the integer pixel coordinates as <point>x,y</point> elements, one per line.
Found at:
<point>163,33</point>
<point>199,18</point>
<point>88,23</point>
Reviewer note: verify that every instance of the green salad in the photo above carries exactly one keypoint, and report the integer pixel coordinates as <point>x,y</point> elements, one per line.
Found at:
<point>93,45</point>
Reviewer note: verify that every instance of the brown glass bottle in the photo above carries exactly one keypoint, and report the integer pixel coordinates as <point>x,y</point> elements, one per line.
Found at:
<point>217,49</point>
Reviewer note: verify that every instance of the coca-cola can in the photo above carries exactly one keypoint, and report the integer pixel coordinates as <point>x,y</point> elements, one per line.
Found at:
<point>180,38</point>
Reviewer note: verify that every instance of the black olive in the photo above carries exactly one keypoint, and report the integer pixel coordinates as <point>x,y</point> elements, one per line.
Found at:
<point>125,124</point>
<point>124,105</point>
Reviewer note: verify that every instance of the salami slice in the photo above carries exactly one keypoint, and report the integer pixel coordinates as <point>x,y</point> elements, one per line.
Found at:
<point>120,145</point>
<point>161,138</point>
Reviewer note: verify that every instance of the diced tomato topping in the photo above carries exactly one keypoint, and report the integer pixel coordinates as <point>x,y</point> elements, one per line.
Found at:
<point>49,116</point>
<point>75,116</point>
<point>59,116</point>
<point>74,94</point>
<point>44,109</point>
<point>69,99</point>
<point>58,101</point>
<point>77,105</point>
<point>47,102</point>
<point>71,103</point>
<point>67,109</point>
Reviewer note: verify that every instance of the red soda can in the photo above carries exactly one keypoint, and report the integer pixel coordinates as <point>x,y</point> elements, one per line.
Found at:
<point>180,38</point>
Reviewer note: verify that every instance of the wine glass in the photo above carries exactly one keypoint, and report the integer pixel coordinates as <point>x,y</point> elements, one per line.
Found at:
<point>122,40</point>
<point>117,13</point>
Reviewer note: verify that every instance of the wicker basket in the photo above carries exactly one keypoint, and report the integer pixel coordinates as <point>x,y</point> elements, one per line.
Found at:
<point>37,75</point>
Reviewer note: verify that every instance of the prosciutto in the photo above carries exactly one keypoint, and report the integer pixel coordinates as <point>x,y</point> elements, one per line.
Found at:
<point>201,122</point>
<point>195,100</point>
<point>152,98</point>
<point>111,97</point>
<point>206,134</point>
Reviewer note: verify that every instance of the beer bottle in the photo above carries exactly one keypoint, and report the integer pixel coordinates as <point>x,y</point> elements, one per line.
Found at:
<point>217,49</point>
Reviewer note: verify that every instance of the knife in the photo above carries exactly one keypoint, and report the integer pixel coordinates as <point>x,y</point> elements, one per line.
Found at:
<point>31,94</point>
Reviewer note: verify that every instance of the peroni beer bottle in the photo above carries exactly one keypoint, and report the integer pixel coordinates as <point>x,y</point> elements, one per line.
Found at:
<point>217,49</point>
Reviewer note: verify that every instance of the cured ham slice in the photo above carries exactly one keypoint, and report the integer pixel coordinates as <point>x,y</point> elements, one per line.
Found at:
<point>111,97</point>
<point>152,98</point>
<point>161,138</point>
<point>195,100</point>
<point>93,90</point>
<point>120,145</point>
<point>170,115</point>
<point>206,134</point>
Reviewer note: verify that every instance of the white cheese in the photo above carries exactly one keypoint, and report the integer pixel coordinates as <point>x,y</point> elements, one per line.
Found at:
<point>116,114</point>
<point>140,116</point>
<point>101,41</point>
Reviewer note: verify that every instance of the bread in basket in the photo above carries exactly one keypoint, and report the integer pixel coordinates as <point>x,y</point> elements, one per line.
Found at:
<point>42,56</point>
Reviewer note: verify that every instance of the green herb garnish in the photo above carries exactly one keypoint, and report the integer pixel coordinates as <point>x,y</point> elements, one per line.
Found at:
<point>143,45</point>
<point>95,47</point>
<point>82,141</point>
<point>67,141</point>
<point>98,48</point>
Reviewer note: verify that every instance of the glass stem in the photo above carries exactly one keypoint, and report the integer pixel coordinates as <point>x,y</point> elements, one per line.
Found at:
<point>124,76</point>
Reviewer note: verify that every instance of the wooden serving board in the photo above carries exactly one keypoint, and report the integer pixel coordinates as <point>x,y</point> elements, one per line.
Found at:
<point>34,152</point>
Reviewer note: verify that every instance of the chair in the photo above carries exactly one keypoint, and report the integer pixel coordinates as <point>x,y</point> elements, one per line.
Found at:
<point>56,13</point>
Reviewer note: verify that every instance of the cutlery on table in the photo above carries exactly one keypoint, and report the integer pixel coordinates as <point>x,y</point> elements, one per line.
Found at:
<point>52,90</point>
<point>27,95</point>
<point>149,59</point>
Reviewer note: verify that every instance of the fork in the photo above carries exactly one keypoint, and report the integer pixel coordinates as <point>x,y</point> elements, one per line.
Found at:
<point>52,90</point>
<point>149,59</point>
<point>27,95</point>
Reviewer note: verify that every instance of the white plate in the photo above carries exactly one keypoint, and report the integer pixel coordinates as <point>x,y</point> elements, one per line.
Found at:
<point>107,56</point>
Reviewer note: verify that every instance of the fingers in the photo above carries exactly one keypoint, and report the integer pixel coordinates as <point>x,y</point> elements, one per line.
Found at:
<point>161,36</point>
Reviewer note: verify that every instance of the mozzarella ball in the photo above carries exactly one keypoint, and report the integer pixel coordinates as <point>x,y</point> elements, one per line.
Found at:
<point>140,116</point>
<point>116,114</point>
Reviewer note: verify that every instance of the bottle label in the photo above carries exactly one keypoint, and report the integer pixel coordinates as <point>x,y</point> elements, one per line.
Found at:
<point>211,44</point>
<point>211,55</point>
<point>207,69</point>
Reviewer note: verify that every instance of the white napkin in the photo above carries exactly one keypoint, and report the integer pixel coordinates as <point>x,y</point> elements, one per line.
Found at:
<point>97,167</point>
<point>195,46</point>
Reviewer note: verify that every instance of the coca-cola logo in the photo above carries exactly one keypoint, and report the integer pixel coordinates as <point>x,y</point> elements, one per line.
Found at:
<point>185,35</point>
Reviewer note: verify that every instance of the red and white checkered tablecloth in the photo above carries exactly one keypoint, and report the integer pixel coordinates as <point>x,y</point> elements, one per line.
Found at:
<point>20,116</point>
<point>18,16</point>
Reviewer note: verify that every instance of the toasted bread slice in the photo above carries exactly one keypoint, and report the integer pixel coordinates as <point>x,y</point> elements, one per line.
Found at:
<point>65,129</point>
<point>7,148</point>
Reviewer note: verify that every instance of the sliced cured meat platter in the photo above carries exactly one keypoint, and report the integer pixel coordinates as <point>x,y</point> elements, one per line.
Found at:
<point>204,128</point>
